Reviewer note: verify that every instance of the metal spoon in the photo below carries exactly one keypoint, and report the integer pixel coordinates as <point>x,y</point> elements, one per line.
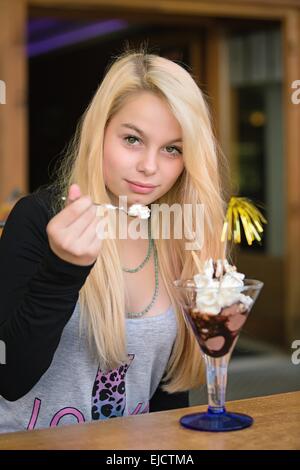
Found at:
<point>111,206</point>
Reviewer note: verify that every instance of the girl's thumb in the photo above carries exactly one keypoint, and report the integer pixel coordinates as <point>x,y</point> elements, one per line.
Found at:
<point>74,193</point>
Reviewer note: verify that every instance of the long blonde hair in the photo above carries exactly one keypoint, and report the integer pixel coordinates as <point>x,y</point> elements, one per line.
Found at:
<point>102,298</point>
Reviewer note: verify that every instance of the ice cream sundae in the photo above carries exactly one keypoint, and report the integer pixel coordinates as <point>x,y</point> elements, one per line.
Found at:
<point>219,308</point>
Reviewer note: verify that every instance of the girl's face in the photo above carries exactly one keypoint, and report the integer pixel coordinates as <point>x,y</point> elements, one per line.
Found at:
<point>142,144</point>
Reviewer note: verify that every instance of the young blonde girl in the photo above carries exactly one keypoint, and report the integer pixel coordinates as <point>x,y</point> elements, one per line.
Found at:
<point>137,84</point>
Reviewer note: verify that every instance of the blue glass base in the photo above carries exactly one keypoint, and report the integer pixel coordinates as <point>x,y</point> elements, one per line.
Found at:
<point>216,422</point>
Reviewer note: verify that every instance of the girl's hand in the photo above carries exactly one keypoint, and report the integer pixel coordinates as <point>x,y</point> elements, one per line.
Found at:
<point>72,232</point>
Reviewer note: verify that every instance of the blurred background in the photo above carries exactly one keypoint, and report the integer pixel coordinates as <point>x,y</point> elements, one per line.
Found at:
<point>245,56</point>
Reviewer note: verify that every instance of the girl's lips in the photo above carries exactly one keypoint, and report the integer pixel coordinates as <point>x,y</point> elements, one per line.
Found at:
<point>139,189</point>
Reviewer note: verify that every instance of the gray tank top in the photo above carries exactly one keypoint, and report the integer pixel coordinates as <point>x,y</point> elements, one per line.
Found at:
<point>74,389</point>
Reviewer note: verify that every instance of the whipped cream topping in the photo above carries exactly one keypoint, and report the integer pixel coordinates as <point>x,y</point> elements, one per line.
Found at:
<point>139,210</point>
<point>221,286</point>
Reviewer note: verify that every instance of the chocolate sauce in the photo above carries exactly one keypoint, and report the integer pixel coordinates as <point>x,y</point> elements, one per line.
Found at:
<point>216,334</point>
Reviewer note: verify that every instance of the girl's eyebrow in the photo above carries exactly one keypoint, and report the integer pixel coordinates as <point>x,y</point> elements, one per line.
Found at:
<point>139,131</point>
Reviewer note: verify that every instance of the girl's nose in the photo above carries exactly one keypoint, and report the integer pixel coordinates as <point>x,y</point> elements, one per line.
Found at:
<point>148,163</point>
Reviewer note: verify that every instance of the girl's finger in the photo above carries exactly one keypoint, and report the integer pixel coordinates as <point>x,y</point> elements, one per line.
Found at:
<point>82,223</point>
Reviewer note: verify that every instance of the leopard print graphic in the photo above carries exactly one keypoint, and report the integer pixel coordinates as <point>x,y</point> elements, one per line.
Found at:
<point>109,394</point>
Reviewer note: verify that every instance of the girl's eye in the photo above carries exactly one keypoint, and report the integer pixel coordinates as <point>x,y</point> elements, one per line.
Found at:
<point>171,149</point>
<point>131,139</point>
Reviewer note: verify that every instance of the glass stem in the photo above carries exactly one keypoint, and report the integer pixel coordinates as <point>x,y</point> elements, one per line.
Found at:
<point>216,377</point>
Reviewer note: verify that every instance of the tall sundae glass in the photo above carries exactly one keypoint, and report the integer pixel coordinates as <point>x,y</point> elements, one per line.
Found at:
<point>216,304</point>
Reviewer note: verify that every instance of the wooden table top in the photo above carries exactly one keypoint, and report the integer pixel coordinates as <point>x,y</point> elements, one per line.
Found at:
<point>276,426</point>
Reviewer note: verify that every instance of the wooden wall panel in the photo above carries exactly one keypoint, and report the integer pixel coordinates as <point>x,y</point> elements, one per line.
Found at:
<point>291,56</point>
<point>217,8</point>
<point>13,114</point>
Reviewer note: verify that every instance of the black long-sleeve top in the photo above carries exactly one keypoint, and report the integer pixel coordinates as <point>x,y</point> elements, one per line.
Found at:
<point>38,295</point>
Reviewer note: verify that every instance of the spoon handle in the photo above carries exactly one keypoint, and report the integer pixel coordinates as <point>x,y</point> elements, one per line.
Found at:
<point>108,206</point>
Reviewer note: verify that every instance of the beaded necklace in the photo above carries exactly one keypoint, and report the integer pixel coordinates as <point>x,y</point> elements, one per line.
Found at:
<point>151,247</point>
